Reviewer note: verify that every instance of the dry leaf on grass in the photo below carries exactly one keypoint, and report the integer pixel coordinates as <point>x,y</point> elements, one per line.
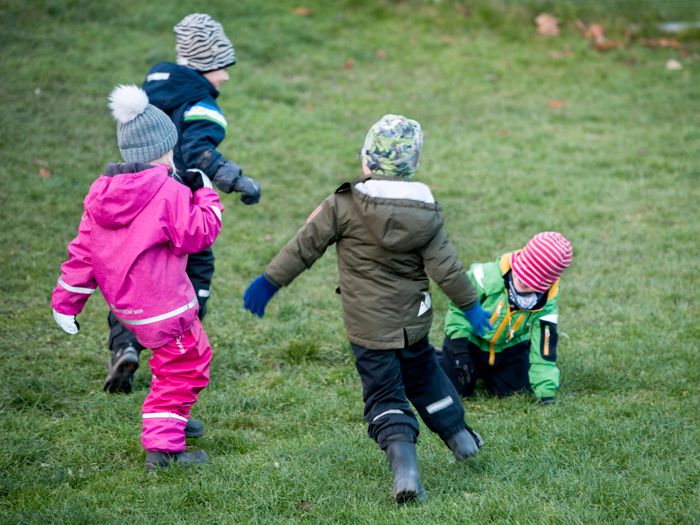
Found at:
<point>305,505</point>
<point>661,42</point>
<point>674,65</point>
<point>44,172</point>
<point>596,34</point>
<point>547,25</point>
<point>556,104</point>
<point>348,64</point>
<point>301,11</point>
<point>565,53</point>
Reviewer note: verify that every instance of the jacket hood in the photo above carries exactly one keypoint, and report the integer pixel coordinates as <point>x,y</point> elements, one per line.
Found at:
<point>401,214</point>
<point>118,196</point>
<point>170,85</point>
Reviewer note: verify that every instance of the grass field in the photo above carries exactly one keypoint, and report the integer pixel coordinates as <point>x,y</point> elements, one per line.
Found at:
<point>523,133</point>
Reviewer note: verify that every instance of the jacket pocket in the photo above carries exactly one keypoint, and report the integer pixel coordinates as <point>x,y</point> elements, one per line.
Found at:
<point>548,340</point>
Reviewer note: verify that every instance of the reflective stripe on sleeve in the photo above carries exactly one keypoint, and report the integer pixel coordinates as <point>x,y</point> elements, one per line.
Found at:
<point>75,289</point>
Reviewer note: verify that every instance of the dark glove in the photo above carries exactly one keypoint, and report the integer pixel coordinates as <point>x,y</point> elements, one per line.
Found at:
<point>196,179</point>
<point>479,319</point>
<point>258,294</point>
<point>229,177</point>
<point>248,188</point>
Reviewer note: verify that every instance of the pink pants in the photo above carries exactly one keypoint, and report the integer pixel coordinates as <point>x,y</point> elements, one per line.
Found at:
<point>180,372</point>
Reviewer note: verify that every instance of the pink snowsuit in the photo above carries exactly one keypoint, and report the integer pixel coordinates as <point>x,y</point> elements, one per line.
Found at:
<point>137,229</point>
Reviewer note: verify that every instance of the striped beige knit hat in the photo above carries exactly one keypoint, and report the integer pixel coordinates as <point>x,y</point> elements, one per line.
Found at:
<point>200,43</point>
<point>543,260</point>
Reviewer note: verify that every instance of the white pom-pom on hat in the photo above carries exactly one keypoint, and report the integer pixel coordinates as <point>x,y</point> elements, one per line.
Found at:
<point>127,102</point>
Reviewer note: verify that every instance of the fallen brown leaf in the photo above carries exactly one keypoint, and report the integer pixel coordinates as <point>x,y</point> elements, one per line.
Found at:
<point>596,34</point>
<point>44,172</point>
<point>565,53</point>
<point>301,11</point>
<point>661,42</point>
<point>556,104</point>
<point>305,505</point>
<point>380,53</point>
<point>349,64</point>
<point>547,25</point>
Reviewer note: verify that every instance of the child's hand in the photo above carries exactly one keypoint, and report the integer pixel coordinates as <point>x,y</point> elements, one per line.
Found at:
<point>479,319</point>
<point>249,190</point>
<point>258,294</point>
<point>67,323</point>
<point>196,179</point>
<point>229,177</point>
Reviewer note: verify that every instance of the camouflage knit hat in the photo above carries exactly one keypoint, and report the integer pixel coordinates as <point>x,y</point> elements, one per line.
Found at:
<point>392,146</point>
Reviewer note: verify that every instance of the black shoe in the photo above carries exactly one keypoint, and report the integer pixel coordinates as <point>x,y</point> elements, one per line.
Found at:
<point>402,458</point>
<point>156,460</point>
<point>122,366</point>
<point>194,428</point>
<point>465,444</point>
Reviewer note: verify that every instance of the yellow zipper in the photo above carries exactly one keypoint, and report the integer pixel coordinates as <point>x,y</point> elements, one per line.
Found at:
<point>499,330</point>
<point>546,341</point>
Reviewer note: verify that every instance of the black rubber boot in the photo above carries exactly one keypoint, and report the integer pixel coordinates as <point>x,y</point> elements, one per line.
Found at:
<point>122,365</point>
<point>465,444</point>
<point>194,428</point>
<point>156,460</point>
<point>404,464</point>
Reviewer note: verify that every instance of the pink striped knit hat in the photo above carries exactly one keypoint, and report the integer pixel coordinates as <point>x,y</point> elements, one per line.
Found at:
<point>543,260</point>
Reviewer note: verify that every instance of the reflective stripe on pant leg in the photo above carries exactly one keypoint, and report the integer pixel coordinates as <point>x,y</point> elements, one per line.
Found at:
<point>430,390</point>
<point>178,378</point>
<point>387,411</point>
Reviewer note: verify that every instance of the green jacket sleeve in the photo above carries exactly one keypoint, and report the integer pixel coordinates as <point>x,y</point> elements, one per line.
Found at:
<point>309,243</point>
<point>443,265</point>
<point>544,373</point>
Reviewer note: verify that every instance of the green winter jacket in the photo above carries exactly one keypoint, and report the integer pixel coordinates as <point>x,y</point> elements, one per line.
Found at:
<point>389,238</point>
<point>511,327</point>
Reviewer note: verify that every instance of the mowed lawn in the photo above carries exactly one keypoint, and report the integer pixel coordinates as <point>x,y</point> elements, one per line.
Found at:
<point>524,133</point>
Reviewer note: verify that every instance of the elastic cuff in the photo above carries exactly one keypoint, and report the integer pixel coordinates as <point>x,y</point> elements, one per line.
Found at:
<point>397,433</point>
<point>450,431</point>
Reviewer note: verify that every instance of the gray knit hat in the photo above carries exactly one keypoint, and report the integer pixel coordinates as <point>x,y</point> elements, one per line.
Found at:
<point>200,43</point>
<point>392,146</point>
<point>144,132</point>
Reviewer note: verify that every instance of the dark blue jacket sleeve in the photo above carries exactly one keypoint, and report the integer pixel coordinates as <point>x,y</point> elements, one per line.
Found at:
<point>203,129</point>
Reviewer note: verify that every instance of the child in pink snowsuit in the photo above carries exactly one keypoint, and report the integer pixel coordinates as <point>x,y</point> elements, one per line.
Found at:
<point>138,226</point>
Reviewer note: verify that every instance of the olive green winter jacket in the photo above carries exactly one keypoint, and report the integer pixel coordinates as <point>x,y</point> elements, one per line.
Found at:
<point>510,327</point>
<point>389,238</point>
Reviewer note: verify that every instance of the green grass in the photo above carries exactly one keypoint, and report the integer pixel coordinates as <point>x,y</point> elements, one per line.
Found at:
<point>616,170</point>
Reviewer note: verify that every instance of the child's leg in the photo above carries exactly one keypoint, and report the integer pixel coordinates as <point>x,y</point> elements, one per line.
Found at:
<point>509,374</point>
<point>200,270</point>
<point>430,390</point>
<point>387,411</point>
<point>180,372</point>
<point>456,362</point>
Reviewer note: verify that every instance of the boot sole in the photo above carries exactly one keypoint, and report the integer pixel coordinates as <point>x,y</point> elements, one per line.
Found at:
<point>121,375</point>
<point>406,496</point>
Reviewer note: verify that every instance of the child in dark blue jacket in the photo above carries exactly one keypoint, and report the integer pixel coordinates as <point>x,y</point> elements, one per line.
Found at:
<point>187,93</point>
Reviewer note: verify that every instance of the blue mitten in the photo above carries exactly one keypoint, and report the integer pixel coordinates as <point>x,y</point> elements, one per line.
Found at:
<point>258,294</point>
<point>479,319</point>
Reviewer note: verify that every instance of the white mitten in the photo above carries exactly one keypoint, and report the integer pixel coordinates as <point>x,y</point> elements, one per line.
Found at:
<point>67,322</point>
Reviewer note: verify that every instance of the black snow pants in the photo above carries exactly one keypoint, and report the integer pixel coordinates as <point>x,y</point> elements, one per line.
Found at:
<point>392,378</point>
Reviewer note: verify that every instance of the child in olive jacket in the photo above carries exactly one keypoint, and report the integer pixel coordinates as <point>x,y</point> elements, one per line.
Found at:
<point>389,237</point>
<point>520,352</point>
